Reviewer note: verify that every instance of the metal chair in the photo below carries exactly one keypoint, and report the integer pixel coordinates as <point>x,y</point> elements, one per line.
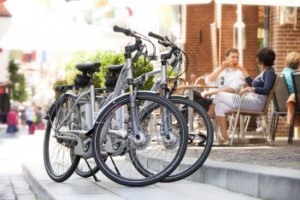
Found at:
<point>236,114</point>
<point>281,94</point>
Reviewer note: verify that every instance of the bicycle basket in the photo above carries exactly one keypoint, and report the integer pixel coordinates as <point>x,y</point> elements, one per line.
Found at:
<point>82,80</point>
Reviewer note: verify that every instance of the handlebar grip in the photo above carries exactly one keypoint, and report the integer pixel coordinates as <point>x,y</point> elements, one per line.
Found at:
<point>165,44</point>
<point>156,36</point>
<point>122,30</point>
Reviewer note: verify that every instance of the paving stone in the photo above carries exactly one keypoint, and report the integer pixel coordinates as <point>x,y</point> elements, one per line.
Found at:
<point>280,154</point>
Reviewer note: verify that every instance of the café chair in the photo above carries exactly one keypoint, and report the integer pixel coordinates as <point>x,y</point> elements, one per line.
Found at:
<point>296,83</point>
<point>238,114</point>
<point>281,94</point>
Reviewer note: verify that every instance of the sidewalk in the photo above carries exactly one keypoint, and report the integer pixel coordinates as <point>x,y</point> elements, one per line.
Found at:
<point>13,186</point>
<point>281,154</point>
<point>267,172</point>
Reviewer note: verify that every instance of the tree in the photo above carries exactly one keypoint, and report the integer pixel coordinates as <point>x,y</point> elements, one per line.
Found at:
<point>17,83</point>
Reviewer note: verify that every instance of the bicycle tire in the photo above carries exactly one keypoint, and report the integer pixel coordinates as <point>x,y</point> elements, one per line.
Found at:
<point>60,164</point>
<point>194,162</point>
<point>202,152</point>
<point>164,169</point>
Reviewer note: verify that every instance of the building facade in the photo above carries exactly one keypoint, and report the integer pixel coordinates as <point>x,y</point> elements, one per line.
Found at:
<point>210,32</point>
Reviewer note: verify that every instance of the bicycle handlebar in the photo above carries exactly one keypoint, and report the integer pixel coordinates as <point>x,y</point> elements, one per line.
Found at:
<point>126,31</point>
<point>163,40</point>
<point>156,36</point>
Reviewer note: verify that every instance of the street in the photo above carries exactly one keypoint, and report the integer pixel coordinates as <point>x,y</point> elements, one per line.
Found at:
<point>14,150</point>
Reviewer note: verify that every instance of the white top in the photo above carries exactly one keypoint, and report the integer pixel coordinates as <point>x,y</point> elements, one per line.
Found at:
<point>29,114</point>
<point>229,77</point>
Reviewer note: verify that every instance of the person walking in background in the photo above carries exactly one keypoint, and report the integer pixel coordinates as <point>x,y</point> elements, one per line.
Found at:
<point>39,115</point>
<point>256,93</point>
<point>30,114</point>
<point>12,121</point>
<point>292,64</point>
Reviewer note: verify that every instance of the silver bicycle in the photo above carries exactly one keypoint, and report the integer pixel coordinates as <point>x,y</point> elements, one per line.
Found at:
<point>199,124</point>
<point>117,137</point>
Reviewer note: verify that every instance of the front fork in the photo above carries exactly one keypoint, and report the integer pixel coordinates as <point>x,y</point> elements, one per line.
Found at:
<point>167,120</point>
<point>134,112</point>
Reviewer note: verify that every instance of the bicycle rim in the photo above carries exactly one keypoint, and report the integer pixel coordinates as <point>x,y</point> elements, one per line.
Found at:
<point>116,155</point>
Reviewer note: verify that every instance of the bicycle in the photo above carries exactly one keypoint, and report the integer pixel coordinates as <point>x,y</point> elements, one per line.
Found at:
<point>198,120</point>
<point>116,131</point>
<point>199,123</point>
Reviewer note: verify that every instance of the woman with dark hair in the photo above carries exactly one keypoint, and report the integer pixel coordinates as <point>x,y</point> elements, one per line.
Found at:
<point>292,64</point>
<point>257,91</point>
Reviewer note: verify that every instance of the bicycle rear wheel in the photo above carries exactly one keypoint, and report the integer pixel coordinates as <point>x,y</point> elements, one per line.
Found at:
<point>200,138</point>
<point>116,148</point>
<point>201,135</point>
<point>59,160</point>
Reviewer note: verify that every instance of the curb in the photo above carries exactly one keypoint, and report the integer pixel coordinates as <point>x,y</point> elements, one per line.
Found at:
<point>36,186</point>
<point>253,180</point>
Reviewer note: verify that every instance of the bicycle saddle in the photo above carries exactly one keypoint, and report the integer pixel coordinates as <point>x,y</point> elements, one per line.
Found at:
<point>63,88</point>
<point>89,68</point>
<point>115,68</point>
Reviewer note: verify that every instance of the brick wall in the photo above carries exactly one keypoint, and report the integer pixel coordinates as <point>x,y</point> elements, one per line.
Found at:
<point>283,39</point>
<point>198,36</point>
<point>198,39</point>
<point>250,19</point>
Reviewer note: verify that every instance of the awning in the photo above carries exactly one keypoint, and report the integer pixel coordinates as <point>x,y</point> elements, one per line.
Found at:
<point>34,25</point>
<point>155,2</point>
<point>51,34</point>
<point>290,3</point>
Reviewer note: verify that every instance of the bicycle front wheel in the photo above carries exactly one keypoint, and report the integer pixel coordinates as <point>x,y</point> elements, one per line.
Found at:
<point>117,148</point>
<point>59,160</point>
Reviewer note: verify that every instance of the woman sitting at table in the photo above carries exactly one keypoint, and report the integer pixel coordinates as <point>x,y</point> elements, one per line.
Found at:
<point>257,91</point>
<point>293,62</point>
<point>226,78</point>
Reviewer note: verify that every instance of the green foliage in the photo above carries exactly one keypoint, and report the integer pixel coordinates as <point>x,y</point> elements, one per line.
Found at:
<point>171,72</point>
<point>106,59</point>
<point>140,68</point>
<point>17,83</point>
<point>57,83</point>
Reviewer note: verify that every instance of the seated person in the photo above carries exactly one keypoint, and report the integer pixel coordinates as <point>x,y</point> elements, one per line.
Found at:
<point>257,91</point>
<point>292,64</point>
<point>227,78</point>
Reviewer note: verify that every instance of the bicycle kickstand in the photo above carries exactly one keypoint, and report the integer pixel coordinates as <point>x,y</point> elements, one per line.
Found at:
<point>94,175</point>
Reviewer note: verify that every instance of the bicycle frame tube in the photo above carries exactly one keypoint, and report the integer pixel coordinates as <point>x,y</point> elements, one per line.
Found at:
<point>89,111</point>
